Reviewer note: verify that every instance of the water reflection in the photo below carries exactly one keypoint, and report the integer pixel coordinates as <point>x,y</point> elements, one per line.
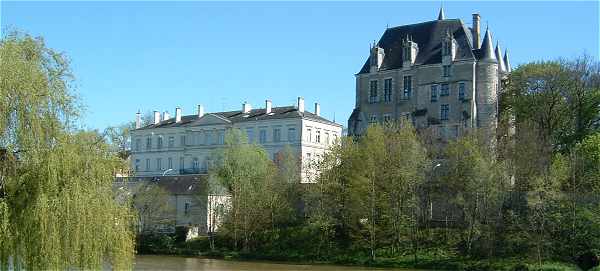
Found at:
<point>155,262</point>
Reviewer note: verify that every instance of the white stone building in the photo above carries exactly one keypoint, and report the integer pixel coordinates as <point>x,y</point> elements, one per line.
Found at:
<point>185,144</point>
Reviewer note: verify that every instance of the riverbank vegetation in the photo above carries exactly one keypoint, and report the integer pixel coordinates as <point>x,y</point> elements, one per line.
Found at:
<point>525,199</point>
<point>57,209</point>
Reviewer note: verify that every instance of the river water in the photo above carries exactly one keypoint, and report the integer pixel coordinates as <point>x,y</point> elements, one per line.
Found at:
<point>158,262</point>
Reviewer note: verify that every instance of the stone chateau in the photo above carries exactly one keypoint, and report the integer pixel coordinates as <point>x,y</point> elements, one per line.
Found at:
<point>436,74</point>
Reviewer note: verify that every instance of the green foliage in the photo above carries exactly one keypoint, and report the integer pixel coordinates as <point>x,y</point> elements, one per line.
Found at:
<point>560,98</point>
<point>56,199</point>
<point>518,205</point>
<point>153,208</point>
<point>258,199</point>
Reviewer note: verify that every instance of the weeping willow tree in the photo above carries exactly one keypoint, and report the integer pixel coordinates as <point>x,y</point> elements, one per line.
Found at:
<point>56,204</point>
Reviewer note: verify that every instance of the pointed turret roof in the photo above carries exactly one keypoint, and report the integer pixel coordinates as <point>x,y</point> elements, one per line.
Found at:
<point>501,66</point>
<point>506,61</point>
<point>441,15</point>
<point>487,50</point>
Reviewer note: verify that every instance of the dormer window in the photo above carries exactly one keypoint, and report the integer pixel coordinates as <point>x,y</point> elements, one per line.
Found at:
<point>376,56</point>
<point>447,48</point>
<point>410,49</point>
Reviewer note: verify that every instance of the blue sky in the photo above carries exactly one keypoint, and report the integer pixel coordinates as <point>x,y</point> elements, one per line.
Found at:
<point>130,56</point>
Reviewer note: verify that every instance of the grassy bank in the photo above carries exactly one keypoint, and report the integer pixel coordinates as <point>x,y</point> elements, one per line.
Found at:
<point>431,260</point>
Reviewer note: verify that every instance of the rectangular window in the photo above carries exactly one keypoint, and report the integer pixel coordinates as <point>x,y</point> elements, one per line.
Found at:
<point>387,90</point>
<point>220,137</point>
<point>291,134</point>
<point>138,144</point>
<point>308,135</point>
<point>196,164</point>
<point>148,143</point>
<point>327,138</point>
<point>373,118</point>
<point>373,92</point>
<point>434,93</point>
<point>262,136</point>
<point>207,138</point>
<point>387,118</point>
<point>158,164</point>
<point>181,163</point>
<point>137,164</point>
<point>147,164</point>
<point>276,135</point>
<point>461,91</point>
<point>444,111</point>
<point>159,142</point>
<point>318,136</point>
<point>250,134</point>
<point>182,140</point>
<point>186,208</point>
<point>445,90</point>
<point>171,141</point>
<point>446,71</point>
<point>407,87</point>
<point>170,163</point>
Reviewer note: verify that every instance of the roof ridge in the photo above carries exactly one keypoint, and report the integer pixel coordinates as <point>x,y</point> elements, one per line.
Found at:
<point>432,21</point>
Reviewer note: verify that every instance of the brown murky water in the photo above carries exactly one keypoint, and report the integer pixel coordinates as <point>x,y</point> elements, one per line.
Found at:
<point>157,262</point>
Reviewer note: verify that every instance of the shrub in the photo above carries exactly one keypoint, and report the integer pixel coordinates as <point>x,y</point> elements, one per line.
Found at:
<point>588,260</point>
<point>155,243</point>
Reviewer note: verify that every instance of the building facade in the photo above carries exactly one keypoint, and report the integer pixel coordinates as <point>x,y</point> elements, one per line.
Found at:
<point>186,204</point>
<point>186,144</point>
<point>436,74</point>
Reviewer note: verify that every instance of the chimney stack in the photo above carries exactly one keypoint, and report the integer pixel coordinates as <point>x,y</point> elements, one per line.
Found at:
<point>268,106</point>
<point>300,104</point>
<point>166,115</point>
<point>475,30</point>
<point>177,114</point>
<point>200,111</point>
<point>138,120</point>
<point>317,109</point>
<point>246,107</point>
<point>156,117</point>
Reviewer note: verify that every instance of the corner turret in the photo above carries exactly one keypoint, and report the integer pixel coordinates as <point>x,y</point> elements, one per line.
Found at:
<point>487,51</point>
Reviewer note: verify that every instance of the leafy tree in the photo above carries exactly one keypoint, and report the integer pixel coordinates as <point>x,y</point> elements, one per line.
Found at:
<point>331,202</point>
<point>474,181</point>
<point>287,185</point>
<point>56,203</point>
<point>405,164</point>
<point>153,207</point>
<point>245,171</point>
<point>560,99</point>
<point>118,137</point>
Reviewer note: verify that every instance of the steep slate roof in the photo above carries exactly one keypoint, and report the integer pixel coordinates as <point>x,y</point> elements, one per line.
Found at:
<point>174,184</point>
<point>428,36</point>
<point>285,112</point>
<point>486,52</point>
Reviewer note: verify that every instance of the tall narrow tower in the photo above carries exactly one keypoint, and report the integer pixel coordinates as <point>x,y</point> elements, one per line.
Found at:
<point>486,88</point>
